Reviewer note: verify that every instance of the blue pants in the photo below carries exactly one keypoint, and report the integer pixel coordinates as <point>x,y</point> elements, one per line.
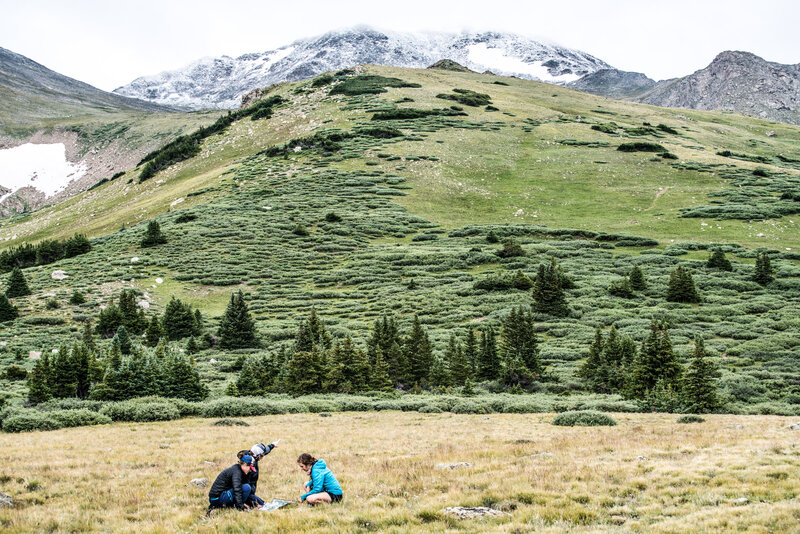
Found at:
<point>226,498</point>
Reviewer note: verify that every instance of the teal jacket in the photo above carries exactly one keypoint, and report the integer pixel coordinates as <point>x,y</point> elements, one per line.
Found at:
<point>322,480</point>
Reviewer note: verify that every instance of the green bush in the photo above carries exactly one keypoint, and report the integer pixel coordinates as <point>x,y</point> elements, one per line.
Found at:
<point>29,420</point>
<point>471,406</point>
<point>584,418</point>
<point>641,146</point>
<point>141,412</point>
<point>244,406</point>
<point>227,421</point>
<point>73,418</point>
<point>691,419</point>
<point>368,84</point>
<point>429,408</point>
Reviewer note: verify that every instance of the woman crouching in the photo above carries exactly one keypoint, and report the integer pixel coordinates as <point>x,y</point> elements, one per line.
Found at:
<point>323,486</point>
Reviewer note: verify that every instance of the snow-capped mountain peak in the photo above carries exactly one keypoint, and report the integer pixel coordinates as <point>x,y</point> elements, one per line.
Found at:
<point>220,82</point>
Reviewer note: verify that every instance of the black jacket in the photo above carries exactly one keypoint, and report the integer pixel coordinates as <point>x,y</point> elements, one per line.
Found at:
<point>231,478</point>
<point>252,478</point>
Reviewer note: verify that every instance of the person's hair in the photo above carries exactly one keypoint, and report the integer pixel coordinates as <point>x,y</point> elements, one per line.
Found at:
<point>242,462</point>
<point>242,453</point>
<point>306,459</point>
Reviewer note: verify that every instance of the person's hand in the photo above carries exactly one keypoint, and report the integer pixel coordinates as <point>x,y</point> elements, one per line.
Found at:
<point>246,507</point>
<point>299,500</point>
<point>274,444</point>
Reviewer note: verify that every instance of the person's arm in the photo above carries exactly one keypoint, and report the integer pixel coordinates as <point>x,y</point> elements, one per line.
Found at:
<point>316,483</point>
<point>269,448</point>
<point>237,489</point>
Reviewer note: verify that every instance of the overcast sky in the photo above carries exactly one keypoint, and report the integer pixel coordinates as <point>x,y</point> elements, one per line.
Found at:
<point>108,43</point>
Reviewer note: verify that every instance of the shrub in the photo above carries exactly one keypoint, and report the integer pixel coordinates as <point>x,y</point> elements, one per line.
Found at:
<point>185,217</point>
<point>354,404</point>
<point>227,421</point>
<point>368,84</point>
<point>77,298</point>
<point>467,97</point>
<point>29,420</point>
<point>584,418</point>
<point>430,408</point>
<point>243,406</point>
<point>641,146</point>
<point>691,419</point>
<point>323,80</point>
<point>15,372</point>
<point>82,417</point>
<point>332,217</point>
<point>138,411</point>
<point>471,406</point>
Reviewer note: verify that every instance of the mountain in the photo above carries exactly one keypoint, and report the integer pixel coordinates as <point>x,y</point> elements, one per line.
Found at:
<point>614,83</point>
<point>60,136</point>
<point>734,81</point>
<point>221,82</point>
<point>23,76</point>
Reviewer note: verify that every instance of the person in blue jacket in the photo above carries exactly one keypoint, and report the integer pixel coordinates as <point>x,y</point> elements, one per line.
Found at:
<point>323,486</point>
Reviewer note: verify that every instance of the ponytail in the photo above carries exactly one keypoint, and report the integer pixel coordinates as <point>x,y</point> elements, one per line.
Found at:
<point>306,459</point>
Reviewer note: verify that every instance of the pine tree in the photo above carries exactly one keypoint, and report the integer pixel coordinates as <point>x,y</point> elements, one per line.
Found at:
<point>460,368</point>
<point>471,350</point>
<point>87,337</point>
<point>419,352</point>
<point>519,339</point>
<point>681,286</point>
<point>178,320</point>
<point>183,380</point>
<point>655,363</point>
<point>252,379</point>
<point>17,286</point>
<point>109,320</point>
<point>379,377</point>
<point>153,236</point>
<point>439,375</point>
<point>699,387</point>
<point>763,273</point>
<point>514,372</point>
<point>719,261</point>
<point>8,312</point>
<point>39,382</point>
<point>192,347</point>
<point>385,338</point>
<point>63,375</point>
<point>237,330</point>
<point>122,339</point>
<point>81,362</point>
<point>198,323</point>
<point>311,334</point>
<point>488,361</point>
<point>154,333</point>
<point>306,373</point>
<point>132,315</point>
<point>548,292</point>
<point>637,279</point>
<point>594,370</point>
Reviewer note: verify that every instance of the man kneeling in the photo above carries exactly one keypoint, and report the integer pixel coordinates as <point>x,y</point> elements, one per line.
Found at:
<point>228,490</point>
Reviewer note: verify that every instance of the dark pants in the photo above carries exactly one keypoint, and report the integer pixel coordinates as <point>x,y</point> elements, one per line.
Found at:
<point>225,500</point>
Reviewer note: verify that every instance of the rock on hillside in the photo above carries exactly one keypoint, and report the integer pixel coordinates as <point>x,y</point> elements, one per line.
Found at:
<point>613,83</point>
<point>220,82</point>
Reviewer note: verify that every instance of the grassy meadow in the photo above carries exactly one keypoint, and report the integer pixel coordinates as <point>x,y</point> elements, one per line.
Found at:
<point>648,474</point>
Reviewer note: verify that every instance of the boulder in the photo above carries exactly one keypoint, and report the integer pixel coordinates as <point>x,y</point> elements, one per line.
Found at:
<point>58,275</point>
<point>462,512</point>
<point>199,482</point>
<point>5,500</point>
<point>795,426</point>
<point>457,465</point>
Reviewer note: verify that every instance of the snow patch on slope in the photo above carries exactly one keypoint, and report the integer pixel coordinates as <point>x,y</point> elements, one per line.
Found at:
<point>43,167</point>
<point>497,60</point>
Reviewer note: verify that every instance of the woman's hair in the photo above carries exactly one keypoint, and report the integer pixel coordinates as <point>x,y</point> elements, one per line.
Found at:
<point>306,459</point>
<point>242,453</point>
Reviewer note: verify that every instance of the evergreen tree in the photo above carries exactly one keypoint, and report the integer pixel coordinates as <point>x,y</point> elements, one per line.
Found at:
<point>109,320</point>
<point>548,292</point>
<point>519,339</point>
<point>17,286</point>
<point>132,315</point>
<point>198,323</point>
<point>419,352</point>
<point>183,380</point>
<point>621,288</point>
<point>681,286</point>
<point>76,245</point>
<point>109,387</point>
<point>87,337</point>
<point>763,273</point>
<point>637,279</point>
<point>178,321</point>
<point>153,236</point>
<point>253,379</point>
<point>122,339</point>
<point>39,382</point>
<point>460,368</point>
<point>439,374</point>
<point>81,362</point>
<point>306,373</point>
<point>237,330</point>
<point>154,333</point>
<point>63,375</point>
<point>719,261</point>
<point>385,338</point>
<point>379,377</point>
<point>471,350</point>
<point>311,334</point>
<point>191,346</point>
<point>655,363</point>
<point>488,361</point>
<point>699,387</point>
<point>594,370</point>
<point>514,372</point>
<point>8,312</point>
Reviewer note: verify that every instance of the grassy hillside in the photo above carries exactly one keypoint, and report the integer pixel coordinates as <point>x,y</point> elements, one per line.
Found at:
<point>649,473</point>
<point>415,212</point>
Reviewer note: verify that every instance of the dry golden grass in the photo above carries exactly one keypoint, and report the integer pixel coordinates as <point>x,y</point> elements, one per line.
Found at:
<point>649,474</point>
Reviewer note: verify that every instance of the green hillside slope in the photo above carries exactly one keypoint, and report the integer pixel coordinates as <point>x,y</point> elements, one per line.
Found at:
<point>349,205</point>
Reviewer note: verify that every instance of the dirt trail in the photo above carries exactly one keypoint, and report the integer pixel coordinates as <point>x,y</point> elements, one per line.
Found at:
<point>658,194</point>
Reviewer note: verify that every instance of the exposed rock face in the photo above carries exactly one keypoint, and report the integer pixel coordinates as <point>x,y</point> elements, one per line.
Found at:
<point>736,81</point>
<point>613,83</point>
<point>221,82</point>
